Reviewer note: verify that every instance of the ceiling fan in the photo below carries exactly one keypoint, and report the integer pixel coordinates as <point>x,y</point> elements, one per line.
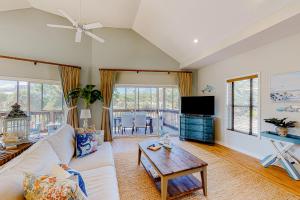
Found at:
<point>80,28</point>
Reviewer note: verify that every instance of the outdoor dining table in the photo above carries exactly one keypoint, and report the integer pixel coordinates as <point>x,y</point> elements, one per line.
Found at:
<point>148,122</point>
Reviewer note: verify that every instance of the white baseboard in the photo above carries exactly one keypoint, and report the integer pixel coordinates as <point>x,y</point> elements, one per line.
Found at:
<point>239,150</point>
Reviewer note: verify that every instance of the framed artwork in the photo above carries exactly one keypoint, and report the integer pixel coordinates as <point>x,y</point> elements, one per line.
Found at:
<point>285,87</point>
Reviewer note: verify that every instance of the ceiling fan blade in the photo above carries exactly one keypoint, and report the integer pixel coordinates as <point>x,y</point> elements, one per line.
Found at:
<point>78,35</point>
<point>94,36</point>
<point>74,23</point>
<point>60,26</point>
<point>92,26</point>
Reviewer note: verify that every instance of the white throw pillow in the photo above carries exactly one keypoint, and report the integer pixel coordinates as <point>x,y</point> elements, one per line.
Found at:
<point>58,172</point>
<point>63,143</point>
<point>100,136</point>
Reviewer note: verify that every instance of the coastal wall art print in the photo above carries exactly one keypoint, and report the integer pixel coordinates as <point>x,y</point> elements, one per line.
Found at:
<point>285,87</point>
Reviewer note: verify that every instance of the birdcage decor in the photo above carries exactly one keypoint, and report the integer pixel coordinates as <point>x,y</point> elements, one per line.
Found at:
<point>16,123</point>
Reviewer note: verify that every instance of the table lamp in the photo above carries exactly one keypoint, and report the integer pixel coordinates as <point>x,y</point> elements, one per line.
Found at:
<point>85,114</point>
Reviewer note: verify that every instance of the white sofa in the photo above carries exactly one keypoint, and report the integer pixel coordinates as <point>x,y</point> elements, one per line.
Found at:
<point>97,169</point>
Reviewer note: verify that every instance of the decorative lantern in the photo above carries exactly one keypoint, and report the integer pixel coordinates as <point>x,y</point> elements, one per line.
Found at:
<point>16,123</point>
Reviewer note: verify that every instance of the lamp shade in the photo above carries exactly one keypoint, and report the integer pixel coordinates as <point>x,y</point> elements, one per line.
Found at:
<point>85,114</point>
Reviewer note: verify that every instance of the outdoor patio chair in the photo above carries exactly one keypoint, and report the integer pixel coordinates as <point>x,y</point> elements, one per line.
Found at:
<point>140,121</point>
<point>127,122</point>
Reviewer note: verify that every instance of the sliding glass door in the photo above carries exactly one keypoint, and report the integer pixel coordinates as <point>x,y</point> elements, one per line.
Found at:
<point>159,104</point>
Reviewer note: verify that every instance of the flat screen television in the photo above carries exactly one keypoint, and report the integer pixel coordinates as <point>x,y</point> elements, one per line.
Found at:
<point>200,105</point>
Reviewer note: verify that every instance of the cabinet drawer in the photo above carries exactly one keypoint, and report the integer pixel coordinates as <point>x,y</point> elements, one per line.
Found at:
<point>195,133</point>
<point>194,121</point>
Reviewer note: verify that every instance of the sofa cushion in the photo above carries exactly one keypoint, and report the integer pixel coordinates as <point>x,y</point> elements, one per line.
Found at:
<point>11,185</point>
<point>38,160</point>
<point>17,159</point>
<point>101,183</point>
<point>102,157</point>
<point>63,143</point>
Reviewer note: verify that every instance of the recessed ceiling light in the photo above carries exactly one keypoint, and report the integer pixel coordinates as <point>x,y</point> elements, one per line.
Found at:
<point>196,40</point>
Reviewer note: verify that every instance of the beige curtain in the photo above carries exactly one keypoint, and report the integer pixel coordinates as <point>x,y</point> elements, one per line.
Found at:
<point>185,83</point>
<point>70,78</point>
<point>107,82</point>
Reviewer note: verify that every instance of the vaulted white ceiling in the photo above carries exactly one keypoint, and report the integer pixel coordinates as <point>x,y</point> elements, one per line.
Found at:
<point>111,13</point>
<point>172,25</point>
<point>13,4</point>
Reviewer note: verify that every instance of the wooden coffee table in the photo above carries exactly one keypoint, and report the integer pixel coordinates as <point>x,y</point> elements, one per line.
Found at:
<point>172,169</point>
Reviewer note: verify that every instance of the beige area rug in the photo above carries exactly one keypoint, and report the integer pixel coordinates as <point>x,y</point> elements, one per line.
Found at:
<point>226,180</point>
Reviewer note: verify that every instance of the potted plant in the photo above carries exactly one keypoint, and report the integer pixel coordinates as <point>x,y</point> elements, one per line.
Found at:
<point>281,125</point>
<point>89,96</point>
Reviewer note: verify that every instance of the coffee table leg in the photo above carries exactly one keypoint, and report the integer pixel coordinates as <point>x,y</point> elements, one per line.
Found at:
<point>139,156</point>
<point>203,174</point>
<point>164,188</point>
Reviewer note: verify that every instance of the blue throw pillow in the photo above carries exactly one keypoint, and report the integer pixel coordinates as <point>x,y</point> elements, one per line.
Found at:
<point>86,143</point>
<point>77,174</point>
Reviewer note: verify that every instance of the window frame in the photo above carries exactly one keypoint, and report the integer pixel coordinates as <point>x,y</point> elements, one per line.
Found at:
<point>157,87</point>
<point>30,81</point>
<point>230,104</point>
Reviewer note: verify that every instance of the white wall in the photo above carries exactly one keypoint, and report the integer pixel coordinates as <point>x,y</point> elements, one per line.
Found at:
<point>23,33</point>
<point>278,57</point>
<point>20,69</point>
<point>132,78</point>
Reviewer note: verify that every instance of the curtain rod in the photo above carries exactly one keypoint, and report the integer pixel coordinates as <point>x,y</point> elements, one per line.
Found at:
<point>37,61</point>
<point>143,70</point>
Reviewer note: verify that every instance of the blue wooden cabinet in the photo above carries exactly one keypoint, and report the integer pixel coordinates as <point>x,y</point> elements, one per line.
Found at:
<point>197,127</point>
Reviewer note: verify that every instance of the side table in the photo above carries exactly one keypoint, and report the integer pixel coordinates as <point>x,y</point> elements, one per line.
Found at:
<point>281,146</point>
<point>8,155</point>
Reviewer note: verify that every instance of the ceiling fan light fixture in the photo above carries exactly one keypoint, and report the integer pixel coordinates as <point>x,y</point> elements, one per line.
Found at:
<point>80,28</point>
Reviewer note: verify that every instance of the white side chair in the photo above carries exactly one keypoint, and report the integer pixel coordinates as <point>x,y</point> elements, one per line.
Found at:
<point>156,125</point>
<point>140,121</point>
<point>127,122</point>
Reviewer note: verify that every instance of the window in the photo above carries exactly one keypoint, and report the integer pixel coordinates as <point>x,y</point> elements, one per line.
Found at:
<point>119,98</point>
<point>147,98</point>
<point>8,94</point>
<point>130,98</point>
<point>35,96</point>
<point>243,104</point>
<point>43,102</point>
<point>171,98</point>
<point>52,97</point>
<point>159,103</point>
<point>135,98</point>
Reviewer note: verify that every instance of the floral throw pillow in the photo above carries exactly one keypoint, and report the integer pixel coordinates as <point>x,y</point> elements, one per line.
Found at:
<point>51,188</point>
<point>86,142</point>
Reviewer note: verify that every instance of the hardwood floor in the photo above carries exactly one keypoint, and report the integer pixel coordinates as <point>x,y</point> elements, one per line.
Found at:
<point>274,174</point>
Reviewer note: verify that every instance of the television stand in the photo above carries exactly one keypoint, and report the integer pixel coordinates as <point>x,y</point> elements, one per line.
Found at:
<point>197,127</point>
